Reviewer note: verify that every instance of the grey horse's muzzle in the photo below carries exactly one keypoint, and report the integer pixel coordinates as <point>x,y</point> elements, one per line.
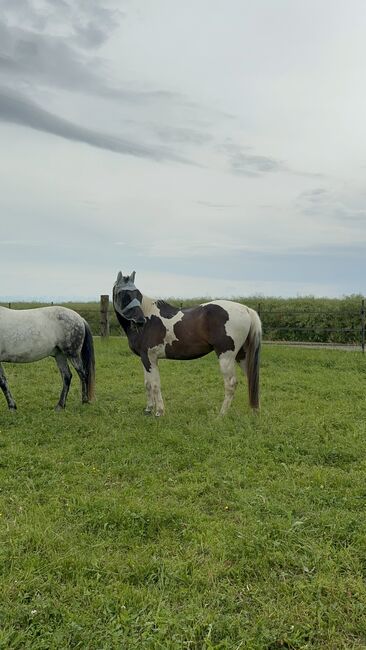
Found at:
<point>131,305</point>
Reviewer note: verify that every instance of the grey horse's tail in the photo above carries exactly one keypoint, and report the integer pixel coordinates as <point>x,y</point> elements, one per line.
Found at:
<point>252,358</point>
<point>88,359</point>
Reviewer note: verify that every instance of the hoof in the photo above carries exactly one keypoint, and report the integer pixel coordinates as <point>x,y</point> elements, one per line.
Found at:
<point>12,409</point>
<point>147,411</point>
<point>159,414</point>
<point>58,408</point>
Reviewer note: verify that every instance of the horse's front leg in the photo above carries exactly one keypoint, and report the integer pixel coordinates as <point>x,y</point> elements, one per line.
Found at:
<point>155,402</point>
<point>156,391</point>
<point>150,400</point>
<point>6,390</point>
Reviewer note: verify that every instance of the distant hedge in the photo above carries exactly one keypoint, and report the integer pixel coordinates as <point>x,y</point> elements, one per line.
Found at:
<point>309,319</point>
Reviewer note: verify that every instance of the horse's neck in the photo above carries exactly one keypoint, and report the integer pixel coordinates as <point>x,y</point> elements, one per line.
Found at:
<point>152,307</point>
<point>149,306</point>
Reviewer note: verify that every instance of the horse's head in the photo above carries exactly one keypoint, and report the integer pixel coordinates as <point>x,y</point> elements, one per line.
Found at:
<point>127,299</point>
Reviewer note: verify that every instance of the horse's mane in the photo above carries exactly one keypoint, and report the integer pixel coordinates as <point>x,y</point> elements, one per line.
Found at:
<point>166,310</point>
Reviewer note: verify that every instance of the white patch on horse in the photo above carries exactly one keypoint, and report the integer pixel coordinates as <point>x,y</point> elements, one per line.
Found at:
<point>150,308</point>
<point>169,324</point>
<point>155,353</point>
<point>238,323</point>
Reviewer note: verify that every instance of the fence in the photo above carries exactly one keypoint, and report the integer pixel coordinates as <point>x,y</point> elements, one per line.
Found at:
<point>341,326</point>
<point>336,326</point>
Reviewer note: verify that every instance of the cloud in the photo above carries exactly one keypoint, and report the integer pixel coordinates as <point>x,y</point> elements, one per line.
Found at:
<point>316,196</point>
<point>181,135</point>
<point>19,242</point>
<point>347,206</point>
<point>211,204</point>
<point>243,162</point>
<point>86,23</point>
<point>18,109</point>
<point>28,56</point>
<point>55,53</point>
<point>52,44</point>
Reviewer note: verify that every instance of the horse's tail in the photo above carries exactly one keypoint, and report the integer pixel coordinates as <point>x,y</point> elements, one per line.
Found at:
<point>252,358</point>
<point>88,359</point>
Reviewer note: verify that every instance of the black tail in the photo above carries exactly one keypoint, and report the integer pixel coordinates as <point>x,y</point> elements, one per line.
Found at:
<point>88,359</point>
<point>252,359</point>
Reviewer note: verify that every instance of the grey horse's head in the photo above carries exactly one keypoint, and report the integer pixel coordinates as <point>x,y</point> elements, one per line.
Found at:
<point>127,299</point>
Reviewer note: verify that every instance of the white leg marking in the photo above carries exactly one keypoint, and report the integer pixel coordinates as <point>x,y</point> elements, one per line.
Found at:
<point>153,377</point>
<point>150,400</point>
<point>227,367</point>
<point>156,391</point>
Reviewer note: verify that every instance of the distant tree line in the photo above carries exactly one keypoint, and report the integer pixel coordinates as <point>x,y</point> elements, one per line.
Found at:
<point>308,319</point>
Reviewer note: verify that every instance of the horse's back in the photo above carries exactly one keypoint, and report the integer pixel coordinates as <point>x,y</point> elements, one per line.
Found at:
<point>193,332</point>
<point>32,334</point>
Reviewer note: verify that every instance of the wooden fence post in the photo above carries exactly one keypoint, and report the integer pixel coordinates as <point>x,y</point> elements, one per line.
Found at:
<point>104,316</point>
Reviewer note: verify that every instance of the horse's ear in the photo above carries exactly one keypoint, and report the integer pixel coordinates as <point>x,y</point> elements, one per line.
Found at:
<point>132,276</point>
<point>119,276</point>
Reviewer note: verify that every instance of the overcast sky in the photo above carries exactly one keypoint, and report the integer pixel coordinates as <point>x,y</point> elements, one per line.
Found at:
<point>217,148</point>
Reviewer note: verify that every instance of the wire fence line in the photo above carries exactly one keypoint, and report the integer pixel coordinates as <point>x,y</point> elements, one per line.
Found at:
<point>335,326</point>
<point>329,327</point>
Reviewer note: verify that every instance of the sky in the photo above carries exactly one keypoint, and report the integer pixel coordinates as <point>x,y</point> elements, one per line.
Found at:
<point>216,148</point>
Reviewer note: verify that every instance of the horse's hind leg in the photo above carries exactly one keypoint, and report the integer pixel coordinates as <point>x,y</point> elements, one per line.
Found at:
<point>227,367</point>
<point>6,390</point>
<point>241,360</point>
<point>79,367</point>
<point>66,376</point>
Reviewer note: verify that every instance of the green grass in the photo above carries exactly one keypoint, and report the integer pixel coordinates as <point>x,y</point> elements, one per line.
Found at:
<point>190,531</point>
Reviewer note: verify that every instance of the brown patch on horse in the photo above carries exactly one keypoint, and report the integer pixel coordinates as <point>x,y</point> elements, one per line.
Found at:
<point>216,317</point>
<point>201,330</point>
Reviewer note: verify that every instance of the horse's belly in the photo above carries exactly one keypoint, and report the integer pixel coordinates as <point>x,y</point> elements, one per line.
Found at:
<point>26,356</point>
<point>187,350</point>
<point>19,348</point>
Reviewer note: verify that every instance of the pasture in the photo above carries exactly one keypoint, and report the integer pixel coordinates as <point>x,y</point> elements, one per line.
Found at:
<point>190,531</point>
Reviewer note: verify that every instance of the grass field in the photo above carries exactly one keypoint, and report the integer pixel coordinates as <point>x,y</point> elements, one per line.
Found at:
<point>190,531</point>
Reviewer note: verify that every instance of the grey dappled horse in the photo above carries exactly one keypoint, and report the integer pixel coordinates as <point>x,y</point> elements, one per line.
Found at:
<point>157,330</point>
<point>32,334</point>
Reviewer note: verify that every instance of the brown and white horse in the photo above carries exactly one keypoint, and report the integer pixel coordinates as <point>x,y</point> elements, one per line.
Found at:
<point>157,330</point>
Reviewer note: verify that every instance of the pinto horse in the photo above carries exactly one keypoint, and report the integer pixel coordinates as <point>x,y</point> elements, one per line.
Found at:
<point>157,330</point>
<point>33,334</point>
